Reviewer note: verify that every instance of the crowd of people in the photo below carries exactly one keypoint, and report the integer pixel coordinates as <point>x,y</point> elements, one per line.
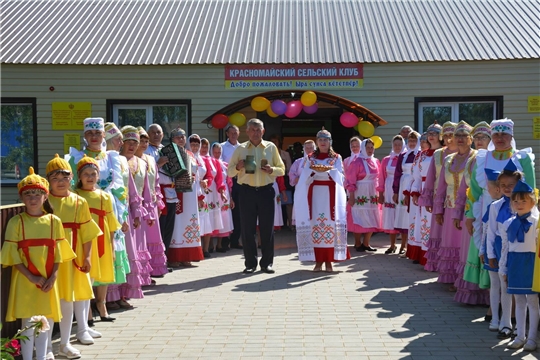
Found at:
<point>459,198</point>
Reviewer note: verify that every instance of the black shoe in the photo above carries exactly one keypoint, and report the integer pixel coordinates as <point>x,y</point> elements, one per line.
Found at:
<point>237,246</point>
<point>106,318</point>
<point>361,248</point>
<point>369,248</point>
<point>249,270</point>
<point>488,318</point>
<point>505,333</point>
<point>170,269</point>
<point>390,250</point>
<point>268,269</point>
<point>207,255</point>
<point>157,276</point>
<point>90,323</point>
<point>211,250</point>
<point>416,262</point>
<point>220,250</point>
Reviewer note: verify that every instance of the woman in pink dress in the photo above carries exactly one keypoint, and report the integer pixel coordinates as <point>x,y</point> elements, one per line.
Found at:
<point>428,193</point>
<point>226,205</point>
<point>386,179</point>
<point>361,181</point>
<point>445,200</point>
<point>354,144</point>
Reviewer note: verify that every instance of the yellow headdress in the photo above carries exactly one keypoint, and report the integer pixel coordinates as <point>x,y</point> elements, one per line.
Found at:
<point>87,161</point>
<point>142,132</point>
<point>33,182</point>
<point>57,164</point>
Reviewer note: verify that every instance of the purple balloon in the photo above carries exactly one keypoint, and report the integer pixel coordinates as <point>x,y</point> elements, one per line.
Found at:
<point>279,107</point>
<point>294,108</point>
<point>311,109</point>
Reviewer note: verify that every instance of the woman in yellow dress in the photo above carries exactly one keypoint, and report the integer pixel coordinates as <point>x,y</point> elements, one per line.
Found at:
<point>35,245</point>
<point>81,232</point>
<point>536,275</point>
<point>101,207</point>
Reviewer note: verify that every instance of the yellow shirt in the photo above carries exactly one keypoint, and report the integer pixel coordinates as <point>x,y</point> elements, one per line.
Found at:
<point>25,299</point>
<point>265,150</point>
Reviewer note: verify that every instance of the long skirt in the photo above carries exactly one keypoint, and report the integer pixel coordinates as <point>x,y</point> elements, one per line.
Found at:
<point>449,250</point>
<point>156,248</point>
<point>186,240</point>
<point>433,245</point>
<point>135,280</point>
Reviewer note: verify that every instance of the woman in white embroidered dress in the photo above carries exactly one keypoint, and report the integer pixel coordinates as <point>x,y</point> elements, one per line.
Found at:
<point>186,239</point>
<point>320,207</point>
<point>361,181</point>
<point>386,179</point>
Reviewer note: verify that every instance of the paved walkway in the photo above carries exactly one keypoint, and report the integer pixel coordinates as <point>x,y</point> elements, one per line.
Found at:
<point>375,306</point>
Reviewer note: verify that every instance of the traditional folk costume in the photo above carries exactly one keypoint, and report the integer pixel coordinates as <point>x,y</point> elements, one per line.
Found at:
<point>518,256</point>
<point>320,209</point>
<point>203,173</point>
<point>386,181</point>
<point>401,187</point>
<point>361,178</point>
<point>212,197</point>
<point>279,187</point>
<point>186,239</point>
<point>449,180</point>
<point>226,212</point>
<point>156,248</point>
<point>536,277</point>
<point>422,224</point>
<point>427,199</point>
<point>294,175</point>
<point>37,242</point>
<point>474,272</point>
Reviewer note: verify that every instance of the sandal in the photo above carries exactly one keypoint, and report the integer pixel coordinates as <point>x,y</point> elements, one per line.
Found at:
<point>69,351</point>
<point>124,304</point>
<point>391,250</point>
<point>317,268</point>
<point>49,356</point>
<point>504,333</point>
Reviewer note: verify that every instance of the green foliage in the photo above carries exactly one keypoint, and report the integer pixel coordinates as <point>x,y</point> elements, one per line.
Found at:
<point>17,126</point>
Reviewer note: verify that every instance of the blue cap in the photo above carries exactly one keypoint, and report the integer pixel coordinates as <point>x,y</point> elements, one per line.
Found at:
<point>510,166</point>
<point>492,175</point>
<point>522,187</point>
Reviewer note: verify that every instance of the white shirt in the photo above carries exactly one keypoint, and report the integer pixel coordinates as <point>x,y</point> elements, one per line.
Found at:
<point>227,149</point>
<point>153,151</point>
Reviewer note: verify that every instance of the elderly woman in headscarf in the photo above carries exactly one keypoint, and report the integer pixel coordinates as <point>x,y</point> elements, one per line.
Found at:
<point>320,207</point>
<point>361,181</point>
<point>185,244</point>
<point>226,203</point>
<point>386,179</point>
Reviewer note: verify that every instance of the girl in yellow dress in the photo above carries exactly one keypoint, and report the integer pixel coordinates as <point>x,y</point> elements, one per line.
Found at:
<point>101,207</point>
<point>81,232</point>
<point>536,277</point>
<point>35,245</point>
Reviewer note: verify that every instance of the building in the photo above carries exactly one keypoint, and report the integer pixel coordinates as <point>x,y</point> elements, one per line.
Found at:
<point>409,62</point>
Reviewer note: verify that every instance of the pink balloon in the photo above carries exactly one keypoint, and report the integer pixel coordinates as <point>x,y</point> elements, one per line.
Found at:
<point>348,119</point>
<point>311,109</point>
<point>279,107</point>
<point>294,108</point>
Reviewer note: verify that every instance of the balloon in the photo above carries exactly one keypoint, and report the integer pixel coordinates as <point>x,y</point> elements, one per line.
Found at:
<point>260,103</point>
<point>366,129</point>
<point>348,119</point>
<point>237,119</point>
<point>219,121</point>
<point>294,108</point>
<point>279,107</point>
<point>271,113</point>
<point>377,141</point>
<point>308,98</point>
<point>311,109</point>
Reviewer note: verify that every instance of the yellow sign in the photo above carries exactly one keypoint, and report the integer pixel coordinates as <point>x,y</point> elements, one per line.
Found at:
<point>70,115</point>
<point>533,104</point>
<point>72,140</point>
<point>536,127</point>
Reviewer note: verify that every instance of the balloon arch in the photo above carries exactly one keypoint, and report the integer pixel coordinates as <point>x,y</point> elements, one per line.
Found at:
<point>291,103</point>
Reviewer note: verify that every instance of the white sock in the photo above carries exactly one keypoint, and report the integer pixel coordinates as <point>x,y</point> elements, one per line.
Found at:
<point>494,296</point>
<point>521,311</point>
<point>506,305</point>
<point>532,305</point>
<point>27,346</point>
<point>41,342</point>
<point>67,321</point>
<point>81,314</point>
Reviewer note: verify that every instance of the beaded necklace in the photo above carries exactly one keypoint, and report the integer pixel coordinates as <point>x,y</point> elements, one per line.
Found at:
<point>502,154</point>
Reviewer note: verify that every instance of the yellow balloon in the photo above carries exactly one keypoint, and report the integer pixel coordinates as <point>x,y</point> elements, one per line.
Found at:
<point>377,141</point>
<point>366,129</point>
<point>308,98</point>
<point>271,113</point>
<point>260,103</point>
<point>237,119</point>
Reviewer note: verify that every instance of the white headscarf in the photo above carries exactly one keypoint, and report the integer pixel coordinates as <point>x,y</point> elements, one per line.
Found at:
<point>363,153</point>
<point>403,148</point>
<point>353,155</point>
<point>416,149</point>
